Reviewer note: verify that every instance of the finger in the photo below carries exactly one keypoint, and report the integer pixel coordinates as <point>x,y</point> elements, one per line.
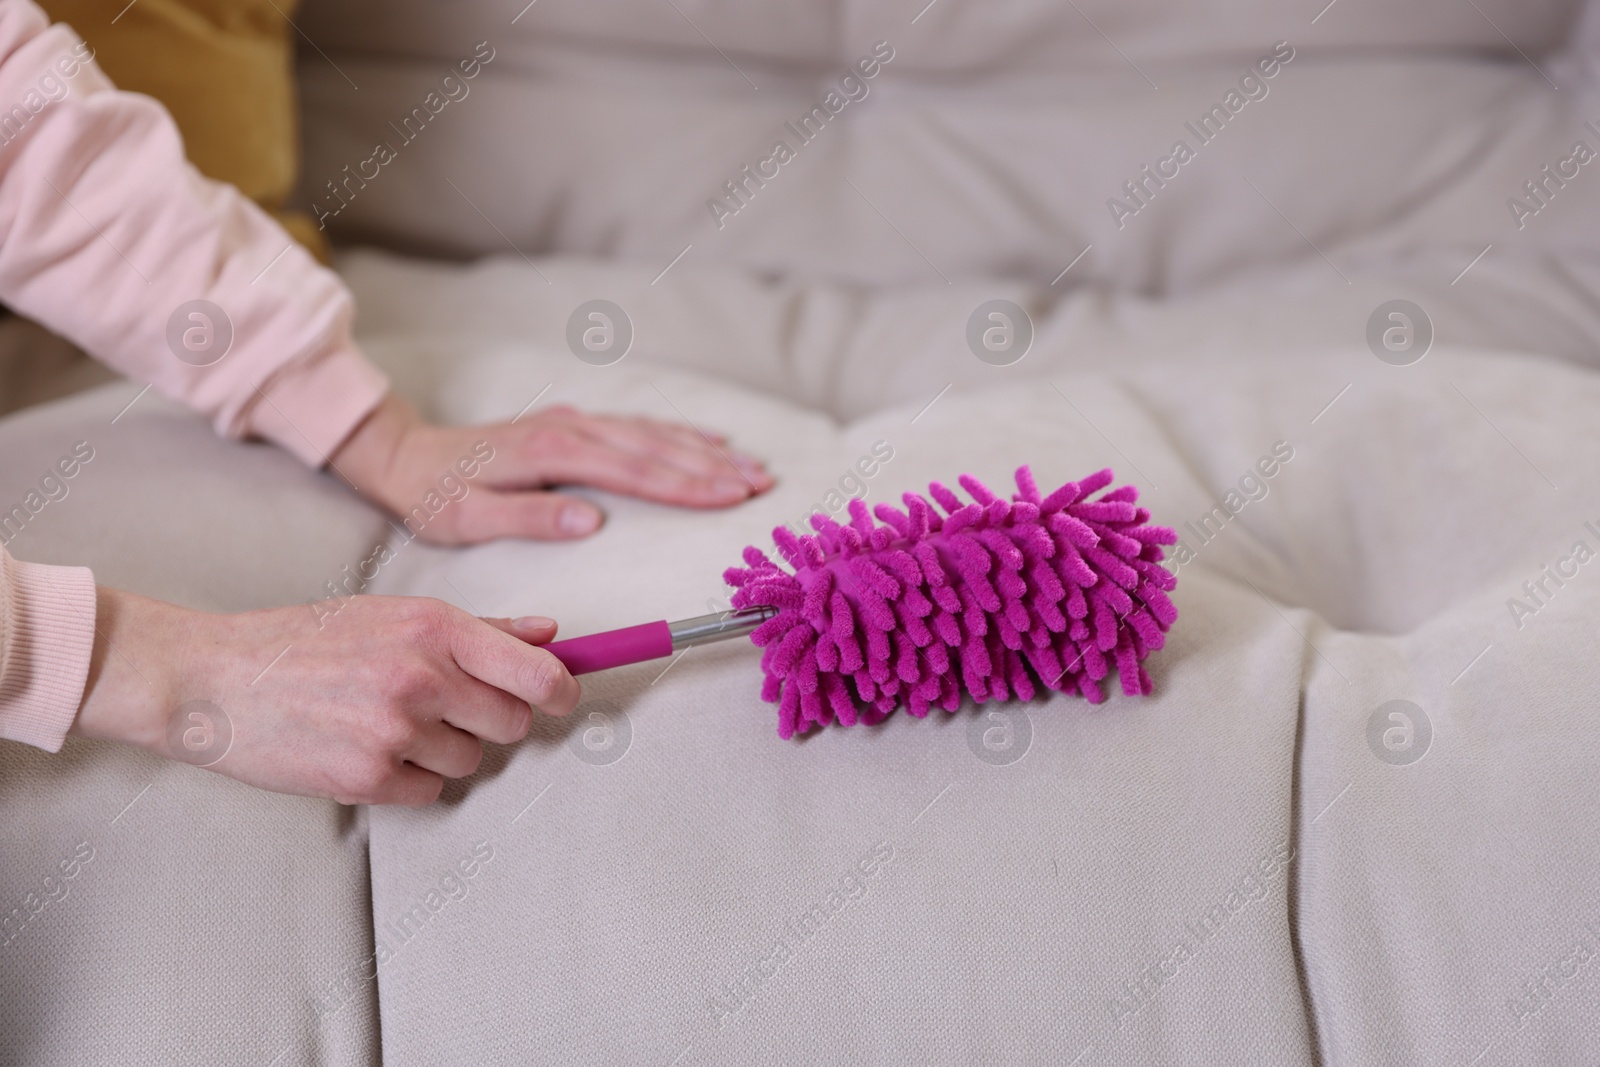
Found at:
<point>489,713</point>
<point>534,629</point>
<point>570,454</point>
<point>408,785</point>
<point>525,671</point>
<point>554,414</point>
<point>445,750</point>
<point>493,513</point>
<point>698,437</point>
<point>678,431</point>
<point>604,467</point>
<point>694,433</point>
<point>697,456</point>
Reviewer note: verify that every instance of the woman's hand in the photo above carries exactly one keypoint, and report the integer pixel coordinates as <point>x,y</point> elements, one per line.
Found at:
<point>402,463</point>
<point>376,704</point>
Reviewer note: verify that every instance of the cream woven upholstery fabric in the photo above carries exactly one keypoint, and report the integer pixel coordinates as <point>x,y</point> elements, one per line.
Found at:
<point>1350,827</point>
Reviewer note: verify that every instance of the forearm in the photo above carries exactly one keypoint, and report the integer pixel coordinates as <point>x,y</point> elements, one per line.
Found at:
<point>99,204</point>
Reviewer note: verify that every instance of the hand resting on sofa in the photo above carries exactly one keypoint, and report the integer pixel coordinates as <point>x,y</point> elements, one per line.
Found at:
<point>394,458</point>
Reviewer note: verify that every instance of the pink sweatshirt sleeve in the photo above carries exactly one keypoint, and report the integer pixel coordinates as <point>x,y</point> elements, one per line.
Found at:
<point>106,234</point>
<point>46,639</point>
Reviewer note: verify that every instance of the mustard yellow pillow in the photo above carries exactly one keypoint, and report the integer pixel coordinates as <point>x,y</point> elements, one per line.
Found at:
<point>225,69</point>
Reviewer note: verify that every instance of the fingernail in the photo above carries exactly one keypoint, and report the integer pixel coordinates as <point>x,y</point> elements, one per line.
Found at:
<point>533,622</point>
<point>732,487</point>
<point>754,472</point>
<point>577,519</point>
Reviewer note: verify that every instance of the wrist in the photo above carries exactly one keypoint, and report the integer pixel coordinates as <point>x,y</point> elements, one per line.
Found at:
<point>139,653</point>
<point>368,458</point>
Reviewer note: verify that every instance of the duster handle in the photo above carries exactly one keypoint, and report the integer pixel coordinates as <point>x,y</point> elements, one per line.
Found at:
<point>653,640</point>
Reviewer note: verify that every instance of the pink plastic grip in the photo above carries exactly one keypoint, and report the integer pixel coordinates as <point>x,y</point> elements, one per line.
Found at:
<point>614,648</point>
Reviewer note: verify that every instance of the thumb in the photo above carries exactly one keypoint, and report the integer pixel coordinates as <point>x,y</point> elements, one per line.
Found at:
<point>534,629</point>
<point>485,516</point>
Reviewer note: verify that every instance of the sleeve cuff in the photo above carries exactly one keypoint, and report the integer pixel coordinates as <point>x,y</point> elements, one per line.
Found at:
<point>49,638</point>
<point>310,410</point>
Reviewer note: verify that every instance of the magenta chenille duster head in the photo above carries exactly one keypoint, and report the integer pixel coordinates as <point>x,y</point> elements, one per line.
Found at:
<point>993,597</point>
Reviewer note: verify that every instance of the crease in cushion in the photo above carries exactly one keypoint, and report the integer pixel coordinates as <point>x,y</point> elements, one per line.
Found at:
<point>225,70</point>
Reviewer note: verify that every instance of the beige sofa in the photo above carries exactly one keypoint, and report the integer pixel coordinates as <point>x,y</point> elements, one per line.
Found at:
<point>1350,826</point>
